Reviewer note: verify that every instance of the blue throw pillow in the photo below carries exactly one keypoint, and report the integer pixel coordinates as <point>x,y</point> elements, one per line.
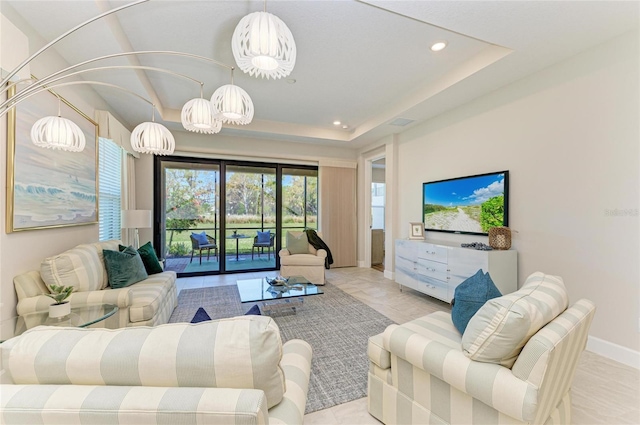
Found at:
<point>469,296</point>
<point>200,237</point>
<point>200,316</point>
<point>255,310</point>
<point>264,237</point>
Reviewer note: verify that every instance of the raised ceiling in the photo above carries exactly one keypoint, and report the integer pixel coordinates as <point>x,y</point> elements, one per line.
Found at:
<point>364,63</point>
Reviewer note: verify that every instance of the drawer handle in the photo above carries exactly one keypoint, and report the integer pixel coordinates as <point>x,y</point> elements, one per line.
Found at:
<point>431,252</point>
<point>431,270</point>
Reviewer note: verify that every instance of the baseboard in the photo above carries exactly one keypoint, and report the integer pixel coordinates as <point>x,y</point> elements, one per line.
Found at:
<point>389,275</point>
<point>613,351</point>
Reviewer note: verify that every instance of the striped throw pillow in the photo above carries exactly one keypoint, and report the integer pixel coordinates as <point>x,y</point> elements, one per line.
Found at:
<point>79,267</point>
<point>499,330</point>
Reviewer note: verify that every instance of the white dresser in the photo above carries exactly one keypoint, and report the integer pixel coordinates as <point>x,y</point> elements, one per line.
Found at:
<point>437,268</point>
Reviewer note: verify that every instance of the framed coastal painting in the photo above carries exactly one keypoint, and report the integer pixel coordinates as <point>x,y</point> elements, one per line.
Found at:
<point>49,188</point>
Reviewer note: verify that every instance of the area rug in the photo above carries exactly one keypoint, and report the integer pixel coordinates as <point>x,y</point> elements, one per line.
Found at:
<point>336,325</point>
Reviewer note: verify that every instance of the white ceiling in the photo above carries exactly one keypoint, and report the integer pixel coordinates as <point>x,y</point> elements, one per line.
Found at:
<point>364,63</point>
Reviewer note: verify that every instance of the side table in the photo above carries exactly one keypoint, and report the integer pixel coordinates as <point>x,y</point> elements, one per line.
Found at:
<point>80,317</point>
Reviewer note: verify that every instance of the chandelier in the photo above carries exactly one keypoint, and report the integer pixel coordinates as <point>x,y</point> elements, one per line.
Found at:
<point>57,133</point>
<point>229,103</point>
<point>263,46</point>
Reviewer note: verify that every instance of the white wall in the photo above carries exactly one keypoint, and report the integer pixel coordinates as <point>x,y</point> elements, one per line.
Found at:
<point>569,137</point>
<point>24,251</point>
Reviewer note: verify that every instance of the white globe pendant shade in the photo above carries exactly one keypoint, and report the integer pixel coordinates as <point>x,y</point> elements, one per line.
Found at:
<point>263,46</point>
<point>57,133</point>
<point>198,116</point>
<point>154,138</point>
<point>231,104</point>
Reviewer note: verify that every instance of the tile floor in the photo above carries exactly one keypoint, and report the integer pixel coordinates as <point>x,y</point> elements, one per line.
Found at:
<point>604,391</point>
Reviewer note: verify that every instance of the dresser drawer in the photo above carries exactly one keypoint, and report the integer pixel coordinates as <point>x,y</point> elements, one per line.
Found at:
<point>433,269</point>
<point>435,288</point>
<point>433,252</point>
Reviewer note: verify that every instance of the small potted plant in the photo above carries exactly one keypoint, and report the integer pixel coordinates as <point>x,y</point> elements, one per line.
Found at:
<point>59,294</point>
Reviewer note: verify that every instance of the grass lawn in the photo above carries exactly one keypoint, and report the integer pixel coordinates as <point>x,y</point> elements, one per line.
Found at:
<point>248,229</point>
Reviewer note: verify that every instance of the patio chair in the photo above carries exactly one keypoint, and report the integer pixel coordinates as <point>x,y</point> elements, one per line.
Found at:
<point>261,244</point>
<point>198,243</point>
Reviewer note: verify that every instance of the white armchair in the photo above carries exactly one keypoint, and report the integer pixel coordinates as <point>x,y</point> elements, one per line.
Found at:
<point>310,265</point>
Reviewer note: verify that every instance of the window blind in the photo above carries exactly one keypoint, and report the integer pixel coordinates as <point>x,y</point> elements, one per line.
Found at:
<point>109,182</point>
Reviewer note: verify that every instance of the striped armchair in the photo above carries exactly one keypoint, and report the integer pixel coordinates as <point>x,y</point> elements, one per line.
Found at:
<point>419,374</point>
<point>229,371</point>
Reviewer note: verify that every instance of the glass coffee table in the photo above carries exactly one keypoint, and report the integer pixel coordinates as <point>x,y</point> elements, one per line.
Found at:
<point>277,298</point>
<point>80,317</point>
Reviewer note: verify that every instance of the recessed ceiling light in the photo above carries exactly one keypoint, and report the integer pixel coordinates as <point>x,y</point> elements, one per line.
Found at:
<point>336,122</point>
<point>291,80</point>
<point>345,126</point>
<point>436,47</point>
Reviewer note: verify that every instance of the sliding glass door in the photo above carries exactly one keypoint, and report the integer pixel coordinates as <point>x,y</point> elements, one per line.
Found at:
<point>190,221</point>
<point>299,200</point>
<point>220,216</point>
<point>250,219</point>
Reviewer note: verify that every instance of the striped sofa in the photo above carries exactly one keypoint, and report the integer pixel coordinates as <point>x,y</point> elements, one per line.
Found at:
<point>146,303</point>
<point>421,372</point>
<point>229,371</point>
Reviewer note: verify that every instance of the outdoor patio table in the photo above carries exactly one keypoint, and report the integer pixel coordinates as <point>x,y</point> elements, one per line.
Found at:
<point>237,238</point>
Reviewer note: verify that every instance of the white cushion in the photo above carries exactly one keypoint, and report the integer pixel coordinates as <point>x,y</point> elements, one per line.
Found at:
<point>79,267</point>
<point>302,260</point>
<point>499,330</point>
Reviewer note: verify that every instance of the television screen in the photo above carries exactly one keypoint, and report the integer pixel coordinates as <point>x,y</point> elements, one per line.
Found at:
<point>472,204</point>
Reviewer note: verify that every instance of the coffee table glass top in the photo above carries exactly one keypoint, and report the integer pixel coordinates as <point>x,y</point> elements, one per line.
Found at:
<point>79,317</point>
<point>259,290</point>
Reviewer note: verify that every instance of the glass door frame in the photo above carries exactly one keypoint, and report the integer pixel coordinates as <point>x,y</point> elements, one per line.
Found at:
<point>222,164</point>
<point>223,208</point>
<point>158,203</point>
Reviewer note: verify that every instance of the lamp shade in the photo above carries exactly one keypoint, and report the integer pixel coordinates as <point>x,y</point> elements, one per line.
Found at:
<point>198,116</point>
<point>57,133</point>
<point>135,219</point>
<point>231,104</point>
<point>154,138</point>
<point>263,46</point>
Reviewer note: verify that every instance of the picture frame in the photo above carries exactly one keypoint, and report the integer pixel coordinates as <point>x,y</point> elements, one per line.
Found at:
<point>49,188</point>
<point>416,230</point>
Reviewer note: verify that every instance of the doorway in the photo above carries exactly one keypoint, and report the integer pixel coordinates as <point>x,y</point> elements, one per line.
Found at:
<point>378,195</point>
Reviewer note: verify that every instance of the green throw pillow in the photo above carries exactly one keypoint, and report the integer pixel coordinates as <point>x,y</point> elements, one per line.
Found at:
<point>150,259</point>
<point>297,244</point>
<point>124,268</point>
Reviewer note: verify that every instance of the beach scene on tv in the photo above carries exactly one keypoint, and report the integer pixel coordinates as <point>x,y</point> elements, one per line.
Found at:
<point>470,204</point>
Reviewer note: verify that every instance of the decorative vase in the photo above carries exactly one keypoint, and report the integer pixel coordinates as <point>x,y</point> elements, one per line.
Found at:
<point>59,310</point>
<point>500,238</point>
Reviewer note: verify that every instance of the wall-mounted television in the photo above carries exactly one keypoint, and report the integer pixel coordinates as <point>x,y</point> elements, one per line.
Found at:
<point>469,205</point>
